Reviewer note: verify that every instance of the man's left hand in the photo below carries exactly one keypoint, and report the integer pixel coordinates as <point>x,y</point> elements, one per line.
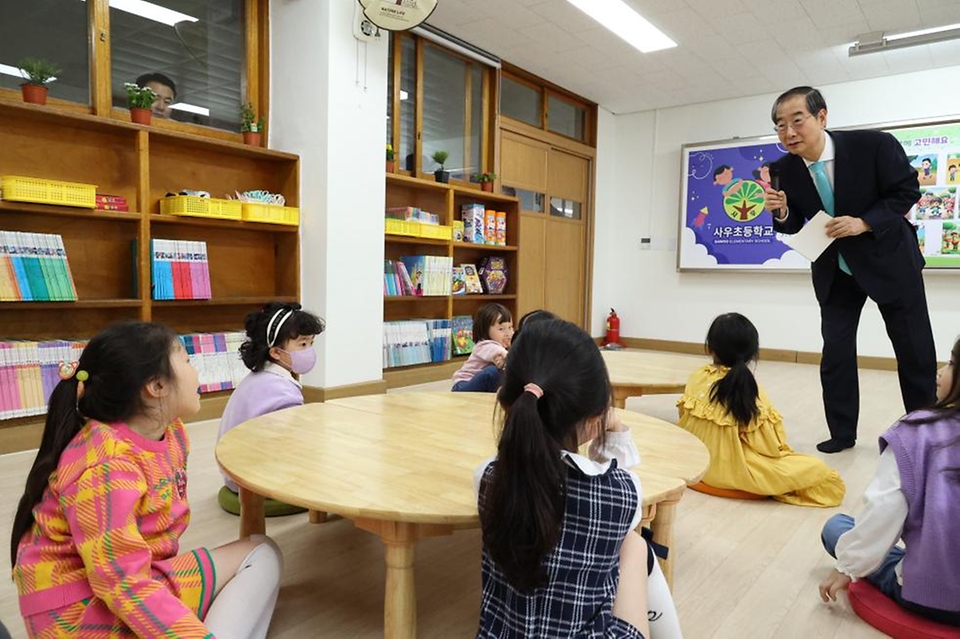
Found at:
<point>846,226</point>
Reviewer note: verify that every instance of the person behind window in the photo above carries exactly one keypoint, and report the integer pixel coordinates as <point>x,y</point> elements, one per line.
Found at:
<point>166,92</point>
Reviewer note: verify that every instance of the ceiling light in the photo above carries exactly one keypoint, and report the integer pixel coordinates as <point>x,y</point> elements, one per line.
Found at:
<point>191,108</point>
<point>619,18</point>
<point>880,41</point>
<point>151,11</point>
<point>15,71</point>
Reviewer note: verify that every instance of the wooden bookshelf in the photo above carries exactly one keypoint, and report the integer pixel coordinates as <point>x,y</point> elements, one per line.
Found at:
<point>108,251</point>
<point>445,201</point>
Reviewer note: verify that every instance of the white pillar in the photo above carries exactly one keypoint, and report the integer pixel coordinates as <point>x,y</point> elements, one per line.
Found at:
<point>328,105</point>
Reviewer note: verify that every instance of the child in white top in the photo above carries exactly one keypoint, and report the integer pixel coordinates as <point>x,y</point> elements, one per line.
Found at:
<point>492,335</point>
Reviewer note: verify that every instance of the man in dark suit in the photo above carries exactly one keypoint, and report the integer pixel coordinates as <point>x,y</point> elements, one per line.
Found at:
<point>864,181</point>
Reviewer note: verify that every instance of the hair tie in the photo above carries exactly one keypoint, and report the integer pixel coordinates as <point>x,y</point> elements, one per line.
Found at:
<point>534,390</point>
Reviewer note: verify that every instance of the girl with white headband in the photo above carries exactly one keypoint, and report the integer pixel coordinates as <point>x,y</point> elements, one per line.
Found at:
<point>278,349</point>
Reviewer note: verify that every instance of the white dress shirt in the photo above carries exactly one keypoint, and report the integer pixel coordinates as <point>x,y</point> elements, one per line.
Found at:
<point>827,157</point>
<point>861,550</point>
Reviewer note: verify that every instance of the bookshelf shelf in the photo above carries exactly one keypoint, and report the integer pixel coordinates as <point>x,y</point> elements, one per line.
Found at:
<point>108,252</point>
<point>7,206</point>
<point>467,246</point>
<point>210,222</point>
<point>403,239</point>
<point>84,304</point>
<point>226,301</point>
<point>444,200</point>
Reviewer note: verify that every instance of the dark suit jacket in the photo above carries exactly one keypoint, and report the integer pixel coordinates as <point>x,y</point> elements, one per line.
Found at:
<point>873,180</point>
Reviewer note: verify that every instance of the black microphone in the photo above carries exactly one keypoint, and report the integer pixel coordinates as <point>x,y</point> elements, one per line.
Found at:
<point>775,184</point>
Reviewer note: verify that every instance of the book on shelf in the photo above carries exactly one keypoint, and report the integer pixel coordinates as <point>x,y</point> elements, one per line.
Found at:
<point>30,370</point>
<point>418,341</point>
<point>459,284</point>
<point>430,275</point>
<point>34,268</point>
<point>471,279</point>
<point>462,328</point>
<point>179,270</point>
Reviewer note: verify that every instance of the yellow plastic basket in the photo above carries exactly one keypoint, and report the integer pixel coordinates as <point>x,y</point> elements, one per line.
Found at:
<point>400,227</point>
<point>436,231</point>
<point>271,213</point>
<point>27,189</point>
<point>195,206</point>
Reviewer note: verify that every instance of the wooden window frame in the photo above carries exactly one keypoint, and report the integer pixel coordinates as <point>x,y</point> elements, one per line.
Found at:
<point>488,118</point>
<point>548,90</point>
<point>257,61</point>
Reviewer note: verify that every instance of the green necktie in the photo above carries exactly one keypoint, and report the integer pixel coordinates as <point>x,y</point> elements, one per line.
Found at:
<point>822,183</point>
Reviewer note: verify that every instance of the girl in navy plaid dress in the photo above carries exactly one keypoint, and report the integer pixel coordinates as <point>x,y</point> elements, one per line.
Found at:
<point>560,555</point>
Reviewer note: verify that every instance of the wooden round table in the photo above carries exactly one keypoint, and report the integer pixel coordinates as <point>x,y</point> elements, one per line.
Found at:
<point>636,373</point>
<point>401,466</point>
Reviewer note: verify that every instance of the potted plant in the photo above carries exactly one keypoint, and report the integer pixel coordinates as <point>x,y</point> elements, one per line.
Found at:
<point>140,102</point>
<point>486,181</point>
<point>441,174</point>
<point>37,73</point>
<point>251,126</point>
<point>391,164</point>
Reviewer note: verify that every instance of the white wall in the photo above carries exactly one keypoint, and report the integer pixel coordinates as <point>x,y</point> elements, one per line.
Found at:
<point>638,192</point>
<point>328,105</point>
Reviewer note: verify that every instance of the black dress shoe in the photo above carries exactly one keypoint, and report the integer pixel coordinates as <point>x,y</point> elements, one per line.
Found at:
<point>834,446</point>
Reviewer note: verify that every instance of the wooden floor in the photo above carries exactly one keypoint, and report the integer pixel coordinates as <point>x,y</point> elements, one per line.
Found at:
<point>744,570</point>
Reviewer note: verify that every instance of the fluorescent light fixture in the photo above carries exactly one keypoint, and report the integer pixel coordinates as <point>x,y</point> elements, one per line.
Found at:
<point>619,18</point>
<point>191,108</point>
<point>15,72</point>
<point>404,95</point>
<point>151,11</point>
<point>880,41</point>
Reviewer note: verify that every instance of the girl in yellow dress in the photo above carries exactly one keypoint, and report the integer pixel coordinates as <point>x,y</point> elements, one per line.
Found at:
<point>728,411</point>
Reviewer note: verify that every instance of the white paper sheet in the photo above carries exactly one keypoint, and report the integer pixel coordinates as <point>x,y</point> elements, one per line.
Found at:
<point>812,240</point>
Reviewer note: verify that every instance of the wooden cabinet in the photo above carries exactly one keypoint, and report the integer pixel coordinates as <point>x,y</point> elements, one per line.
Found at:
<point>446,200</point>
<point>108,252</point>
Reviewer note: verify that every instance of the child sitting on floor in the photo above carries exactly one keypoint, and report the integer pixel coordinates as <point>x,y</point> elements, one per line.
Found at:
<point>279,346</point>
<point>731,414</point>
<point>914,496</point>
<point>492,335</point>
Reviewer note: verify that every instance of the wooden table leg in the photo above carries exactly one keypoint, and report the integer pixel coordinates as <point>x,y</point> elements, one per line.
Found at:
<point>620,396</point>
<point>662,527</point>
<point>317,516</point>
<point>252,519</point>
<point>400,597</point>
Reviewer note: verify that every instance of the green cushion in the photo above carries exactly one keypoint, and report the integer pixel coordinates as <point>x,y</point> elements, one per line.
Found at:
<point>230,502</point>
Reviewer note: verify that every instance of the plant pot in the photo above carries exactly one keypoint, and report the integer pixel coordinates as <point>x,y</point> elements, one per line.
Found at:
<point>251,137</point>
<point>391,166</point>
<point>442,176</point>
<point>140,116</point>
<point>486,186</point>
<point>34,93</point>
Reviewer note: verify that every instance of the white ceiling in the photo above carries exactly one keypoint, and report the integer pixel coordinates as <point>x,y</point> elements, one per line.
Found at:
<point>727,48</point>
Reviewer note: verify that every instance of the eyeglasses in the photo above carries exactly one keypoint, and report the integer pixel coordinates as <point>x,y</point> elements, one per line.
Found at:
<point>794,124</point>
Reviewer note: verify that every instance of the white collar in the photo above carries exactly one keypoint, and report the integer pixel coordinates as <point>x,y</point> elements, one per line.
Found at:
<point>584,465</point>
<point>280,371</point>
<point>828,153</point>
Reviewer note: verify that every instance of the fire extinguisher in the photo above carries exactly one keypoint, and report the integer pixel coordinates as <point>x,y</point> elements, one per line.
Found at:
<point>613,329</point>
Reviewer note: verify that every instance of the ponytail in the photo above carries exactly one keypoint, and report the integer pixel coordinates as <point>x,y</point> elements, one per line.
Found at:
<point>527,492</point>
<point>62,424</point>
<point>738,393</point>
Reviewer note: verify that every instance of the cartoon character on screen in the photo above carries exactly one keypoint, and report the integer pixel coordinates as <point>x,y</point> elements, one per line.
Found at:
<point>761,175</point>
<point>952,175</point>
<point>723,176</point>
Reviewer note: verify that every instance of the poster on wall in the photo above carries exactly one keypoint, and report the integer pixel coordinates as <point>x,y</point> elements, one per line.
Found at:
<point>723,223</point>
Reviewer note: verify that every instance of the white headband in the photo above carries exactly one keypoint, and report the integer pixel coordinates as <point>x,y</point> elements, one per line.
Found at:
<point>276,331</point>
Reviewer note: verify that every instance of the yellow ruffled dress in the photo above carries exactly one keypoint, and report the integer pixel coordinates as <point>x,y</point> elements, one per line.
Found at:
<point>754,458</point>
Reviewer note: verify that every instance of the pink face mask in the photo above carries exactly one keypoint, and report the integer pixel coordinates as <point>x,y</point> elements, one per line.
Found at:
<point>303,361</point>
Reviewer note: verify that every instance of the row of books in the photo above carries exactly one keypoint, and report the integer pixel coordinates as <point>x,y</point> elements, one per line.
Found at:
<point>416,342</point>
<point>179,270</point>
<point>461,327</point>
<point>30,370</point>
<point>216,356</point>
<point>420,275</point>
<point>34,268</point>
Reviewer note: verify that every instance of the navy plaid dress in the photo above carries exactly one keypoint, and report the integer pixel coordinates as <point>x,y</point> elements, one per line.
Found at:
<point>583,570</point>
